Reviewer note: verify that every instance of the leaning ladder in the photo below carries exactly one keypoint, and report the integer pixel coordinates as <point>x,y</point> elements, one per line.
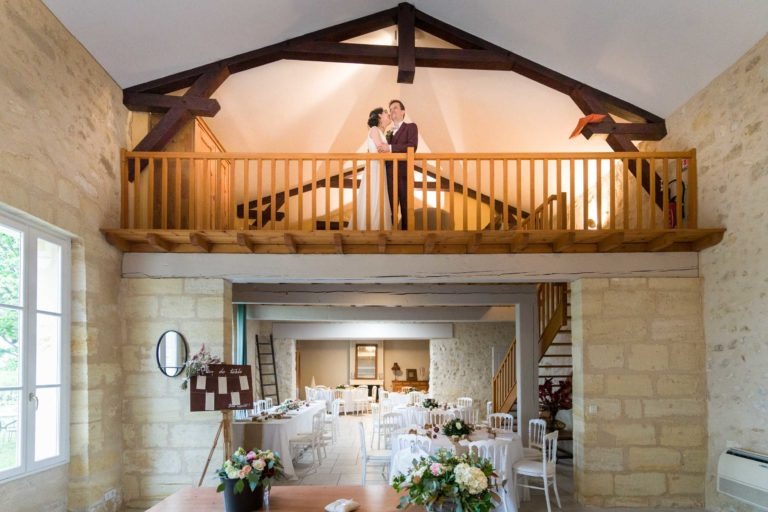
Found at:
<point>267,369</point>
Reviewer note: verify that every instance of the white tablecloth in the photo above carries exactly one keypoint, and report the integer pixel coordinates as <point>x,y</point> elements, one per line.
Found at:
<point>350,395</point>
<point>397,398</point>
<point>275,434</point>
<point>401,461</point>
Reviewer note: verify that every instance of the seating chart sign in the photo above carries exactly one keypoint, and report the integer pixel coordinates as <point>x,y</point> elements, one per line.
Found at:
<point>223,386</point>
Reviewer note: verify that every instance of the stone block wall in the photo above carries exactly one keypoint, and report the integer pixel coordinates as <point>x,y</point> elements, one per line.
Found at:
<point>727,123</point>
<point>166,445</point>
<point>463,365</point>
<point>640,436</point>
<point>63,124</point>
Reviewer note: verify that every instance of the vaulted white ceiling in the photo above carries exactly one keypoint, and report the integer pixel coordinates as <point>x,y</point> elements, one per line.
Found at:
<point>655,54</point>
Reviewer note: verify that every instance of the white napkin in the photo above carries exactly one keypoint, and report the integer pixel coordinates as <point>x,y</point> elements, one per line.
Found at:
<point>342,505</point>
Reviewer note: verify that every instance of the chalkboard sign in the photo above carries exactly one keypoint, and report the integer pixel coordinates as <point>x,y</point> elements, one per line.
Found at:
<point>223,386</point>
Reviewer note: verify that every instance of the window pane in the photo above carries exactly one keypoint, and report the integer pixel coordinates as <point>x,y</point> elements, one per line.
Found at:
<point>10,348</point>
<point>48,276</point>
<point>10,266</point>
<point>10,443</point>
<point>48,349</point>
<point>47,424</point>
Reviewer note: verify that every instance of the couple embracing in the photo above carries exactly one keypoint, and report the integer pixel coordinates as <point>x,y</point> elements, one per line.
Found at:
<point>398,139</point>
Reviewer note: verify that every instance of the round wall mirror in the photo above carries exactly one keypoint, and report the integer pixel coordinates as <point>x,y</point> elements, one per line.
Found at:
<point>172,353</point>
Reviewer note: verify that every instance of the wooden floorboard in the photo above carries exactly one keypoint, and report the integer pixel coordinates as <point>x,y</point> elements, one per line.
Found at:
<point>412,242</point>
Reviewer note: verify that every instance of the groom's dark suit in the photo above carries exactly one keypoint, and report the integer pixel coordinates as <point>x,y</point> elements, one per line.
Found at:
<point>407,136</point>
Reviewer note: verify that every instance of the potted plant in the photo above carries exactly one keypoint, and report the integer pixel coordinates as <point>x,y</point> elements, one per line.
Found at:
<point>446,482</point>
<point>245,476</point>
<point>553,399</point>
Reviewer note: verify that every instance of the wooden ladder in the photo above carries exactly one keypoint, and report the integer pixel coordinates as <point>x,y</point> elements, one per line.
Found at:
<point>267,369</point>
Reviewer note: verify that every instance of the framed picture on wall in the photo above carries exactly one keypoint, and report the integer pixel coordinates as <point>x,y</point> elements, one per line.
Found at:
<point>410,374</point>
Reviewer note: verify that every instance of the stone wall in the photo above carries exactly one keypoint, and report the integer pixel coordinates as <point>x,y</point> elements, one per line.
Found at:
<point>63,124</point>
<point>462,365</point>
<point>166,446</point>
<point>639,402</point>
<point>727,123</point>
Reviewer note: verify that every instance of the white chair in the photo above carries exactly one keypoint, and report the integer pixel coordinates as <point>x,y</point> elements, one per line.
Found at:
<point>439,417</point>
<point>464,401</point>
<point>384,395</point>
<point>390,422</point>
<point>310,440</point>
<point>470,416</point>
<point>376,424</point>
<point>497,451</point>
<point>414,443</point>
<point>374,394</point>
<point>501,421</point>
<point>544,468</point>
<point>488,409</point>
<point>414,397</point>
<point>332,419</point>
<point>261,405</point>
<point>420,415</point>
<point>270,404</point>
<point>374,457</point>
<point>536,430</point>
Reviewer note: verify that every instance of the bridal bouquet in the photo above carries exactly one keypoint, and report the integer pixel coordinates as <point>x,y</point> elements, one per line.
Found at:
<point>198,364</point>
<point>464,481</point>
<point>457,427</point>
<point>256,468</point>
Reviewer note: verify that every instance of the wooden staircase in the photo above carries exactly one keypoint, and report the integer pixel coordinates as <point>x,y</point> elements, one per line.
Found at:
<point>555,358</point>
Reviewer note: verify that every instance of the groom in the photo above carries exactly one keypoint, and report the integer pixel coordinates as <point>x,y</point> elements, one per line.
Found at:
<point>404,136</point>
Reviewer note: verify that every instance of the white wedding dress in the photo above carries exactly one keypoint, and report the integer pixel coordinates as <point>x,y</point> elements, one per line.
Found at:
<point>378,179</point>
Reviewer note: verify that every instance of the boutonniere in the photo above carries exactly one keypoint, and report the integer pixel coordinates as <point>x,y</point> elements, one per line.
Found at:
<point>389,136</point>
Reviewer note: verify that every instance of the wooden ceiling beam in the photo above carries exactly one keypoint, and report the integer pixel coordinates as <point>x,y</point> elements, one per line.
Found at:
<point>632,131</point>
<point>346,53</point>
<point>406,43</point>
<point>160,103</point>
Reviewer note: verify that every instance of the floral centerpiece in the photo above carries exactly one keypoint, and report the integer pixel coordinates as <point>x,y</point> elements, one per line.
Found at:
<point>552,398</point>
<point>444,479</point>
<point>430,403</point>
<point>457,427</point>
<point>198,364</point>
<point>245,476</point>
<point>291,404</point>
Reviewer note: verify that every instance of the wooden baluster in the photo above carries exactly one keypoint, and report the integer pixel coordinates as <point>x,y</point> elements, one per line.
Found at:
<point>519,192</point>
<point>438,199</point>
<point>560,205</point>
<point>383,198</point>
<point>340,164</point>
<point>232,203</point>
<point>505,200</point>
<point>679,187</point>
<point>652,202</point>
<point>368,164</point>
<point>639,188</point>
<point>246,194</point>
<point>124,190</point>
<point>328,194</point>
<point>452,190</point>
<point>612,206</point>
<point>273,192</point>
<point>585,193</point>
<point>410,166</point>
<point>354,196</point>
<point>177,174</point>
<point>151,194</point>
<point>599,192</point>
<point>491,192</point>
<point>625,192</point>
<point>218,198</point>
<point>532,194</point>
<point>300,193</point>
<point>137,224</point>
<point>395,196</point>
<point>545,217</point>
<point>692,193</point>
<point>259,193</point>
<point>665,192</point>
<point>465,219</point>
<point>193,186</point>
<point>572,214</point>
<point>478,195</point>
<point>164,194</point>
<point>313,225</point>
<point>424,195</point>
<point>287,193</point>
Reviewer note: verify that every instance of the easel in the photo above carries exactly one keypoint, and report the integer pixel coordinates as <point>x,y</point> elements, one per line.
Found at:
<point>224,425</point>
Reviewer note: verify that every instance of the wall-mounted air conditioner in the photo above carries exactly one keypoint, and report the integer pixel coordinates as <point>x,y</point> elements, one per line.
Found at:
<point>743,475</point>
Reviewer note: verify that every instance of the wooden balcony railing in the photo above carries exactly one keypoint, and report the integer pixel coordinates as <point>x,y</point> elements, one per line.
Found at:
<point>474,191</point>
<point>501,202</point>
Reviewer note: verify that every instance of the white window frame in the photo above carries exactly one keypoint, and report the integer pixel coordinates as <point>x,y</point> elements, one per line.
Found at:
<point>31,233</point>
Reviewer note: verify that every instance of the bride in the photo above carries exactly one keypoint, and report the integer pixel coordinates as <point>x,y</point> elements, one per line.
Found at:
<point>377,120</point>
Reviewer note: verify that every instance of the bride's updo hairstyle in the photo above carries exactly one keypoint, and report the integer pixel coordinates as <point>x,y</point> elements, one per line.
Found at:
<point>374,117</point>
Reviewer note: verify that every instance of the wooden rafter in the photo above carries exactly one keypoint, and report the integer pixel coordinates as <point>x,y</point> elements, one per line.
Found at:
<point>326,45</point>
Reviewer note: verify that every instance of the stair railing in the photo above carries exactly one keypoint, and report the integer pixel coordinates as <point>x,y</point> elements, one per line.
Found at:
<point>505,381</point>
<point>552,302</point>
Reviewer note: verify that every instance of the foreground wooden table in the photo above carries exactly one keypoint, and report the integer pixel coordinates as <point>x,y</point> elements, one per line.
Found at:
<point>295,498</point>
